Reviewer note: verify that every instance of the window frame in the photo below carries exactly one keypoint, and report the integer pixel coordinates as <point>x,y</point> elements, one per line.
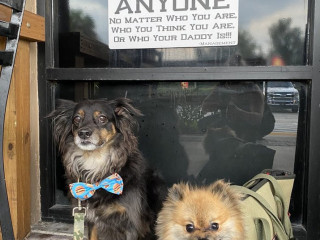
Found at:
<point>50,74</point>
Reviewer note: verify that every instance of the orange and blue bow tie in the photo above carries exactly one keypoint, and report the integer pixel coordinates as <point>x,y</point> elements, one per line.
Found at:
<point>83,191</point>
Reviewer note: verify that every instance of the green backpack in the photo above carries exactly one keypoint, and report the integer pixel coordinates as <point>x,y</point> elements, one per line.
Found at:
<point>266,203</point>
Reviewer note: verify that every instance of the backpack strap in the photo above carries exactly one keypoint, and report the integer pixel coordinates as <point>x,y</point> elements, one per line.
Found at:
<point>263,229</point>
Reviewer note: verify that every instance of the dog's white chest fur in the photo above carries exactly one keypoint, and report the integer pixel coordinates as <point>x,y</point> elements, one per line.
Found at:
<point>92,165</point>
<point>92,161</point>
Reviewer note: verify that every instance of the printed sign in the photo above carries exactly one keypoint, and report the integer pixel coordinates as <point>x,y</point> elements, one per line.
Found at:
<point>135,24</point>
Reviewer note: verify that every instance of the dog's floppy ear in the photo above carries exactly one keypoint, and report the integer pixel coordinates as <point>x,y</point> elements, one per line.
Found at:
<point>125,115</point>
<point>123,107</point>
<point>62,118</point>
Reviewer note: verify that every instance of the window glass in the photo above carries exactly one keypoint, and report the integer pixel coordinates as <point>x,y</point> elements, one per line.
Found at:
<point>203,131</point>
<point>270,33</point>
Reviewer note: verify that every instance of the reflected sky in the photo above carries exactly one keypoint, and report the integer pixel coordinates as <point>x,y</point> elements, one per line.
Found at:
<point>98,11</point>
<point>256,17</point>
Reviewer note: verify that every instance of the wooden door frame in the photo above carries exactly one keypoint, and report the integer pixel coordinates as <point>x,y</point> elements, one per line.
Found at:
<point>16,142</point>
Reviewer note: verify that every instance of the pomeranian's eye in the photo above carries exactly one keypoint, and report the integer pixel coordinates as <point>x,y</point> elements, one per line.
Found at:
<point>190,228</point>
<point>76,120</point>
<point>214,226</point>
<point>102,119</point>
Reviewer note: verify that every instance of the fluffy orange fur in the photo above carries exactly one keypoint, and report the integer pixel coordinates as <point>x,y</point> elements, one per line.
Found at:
<point>208,213</point>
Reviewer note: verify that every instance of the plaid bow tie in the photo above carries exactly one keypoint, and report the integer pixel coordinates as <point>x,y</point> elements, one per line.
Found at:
<point>83,191</point>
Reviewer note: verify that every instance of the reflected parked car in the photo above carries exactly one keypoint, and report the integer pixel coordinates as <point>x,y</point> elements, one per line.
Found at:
<point>283,95</point>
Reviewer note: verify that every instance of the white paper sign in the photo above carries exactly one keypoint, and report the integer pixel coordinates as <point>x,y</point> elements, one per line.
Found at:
<point>135,24</point>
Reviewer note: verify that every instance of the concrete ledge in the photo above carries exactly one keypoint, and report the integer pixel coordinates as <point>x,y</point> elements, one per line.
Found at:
<point>52,230</point>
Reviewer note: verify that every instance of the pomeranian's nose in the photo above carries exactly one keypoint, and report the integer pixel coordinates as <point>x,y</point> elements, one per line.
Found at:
<point>202,238</point>
<point>84,133</point>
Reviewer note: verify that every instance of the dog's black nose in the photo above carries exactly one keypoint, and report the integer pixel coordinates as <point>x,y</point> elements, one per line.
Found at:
<point>203,238</point>
<point>84,133</point>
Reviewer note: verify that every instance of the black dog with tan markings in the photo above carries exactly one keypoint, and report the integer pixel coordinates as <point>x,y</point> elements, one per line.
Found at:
<point>96,139</point>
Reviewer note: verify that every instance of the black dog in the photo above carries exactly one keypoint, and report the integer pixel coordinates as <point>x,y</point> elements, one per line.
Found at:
<point>96,140</point>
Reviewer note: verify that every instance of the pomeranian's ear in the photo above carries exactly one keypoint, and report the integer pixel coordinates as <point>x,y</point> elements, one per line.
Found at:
<point>178,191</point>
<point>221,188</point>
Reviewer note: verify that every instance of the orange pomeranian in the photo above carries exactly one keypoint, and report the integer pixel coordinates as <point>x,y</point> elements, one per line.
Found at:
<point>201,213</point>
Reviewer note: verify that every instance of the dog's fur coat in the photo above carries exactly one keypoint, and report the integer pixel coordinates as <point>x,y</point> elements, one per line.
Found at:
<point>96,139</point>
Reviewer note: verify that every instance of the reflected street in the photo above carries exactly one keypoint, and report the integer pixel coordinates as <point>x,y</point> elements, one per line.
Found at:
<point>282,139</point>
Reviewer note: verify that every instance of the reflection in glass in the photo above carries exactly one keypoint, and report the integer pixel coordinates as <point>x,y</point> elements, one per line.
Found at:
<point>79,22</point>
<point>283,95</point>
<point>270,33</point>
<point>89,18</point>
<point>202,131</point>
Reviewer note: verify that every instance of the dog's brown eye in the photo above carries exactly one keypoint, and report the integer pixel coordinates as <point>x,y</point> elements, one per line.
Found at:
<point>102,119</point>
<point>214,226</point>
<point>190,228</point>
<point>76,119</point>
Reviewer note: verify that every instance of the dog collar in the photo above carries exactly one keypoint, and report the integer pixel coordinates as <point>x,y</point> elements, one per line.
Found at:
<point>83,191</point>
